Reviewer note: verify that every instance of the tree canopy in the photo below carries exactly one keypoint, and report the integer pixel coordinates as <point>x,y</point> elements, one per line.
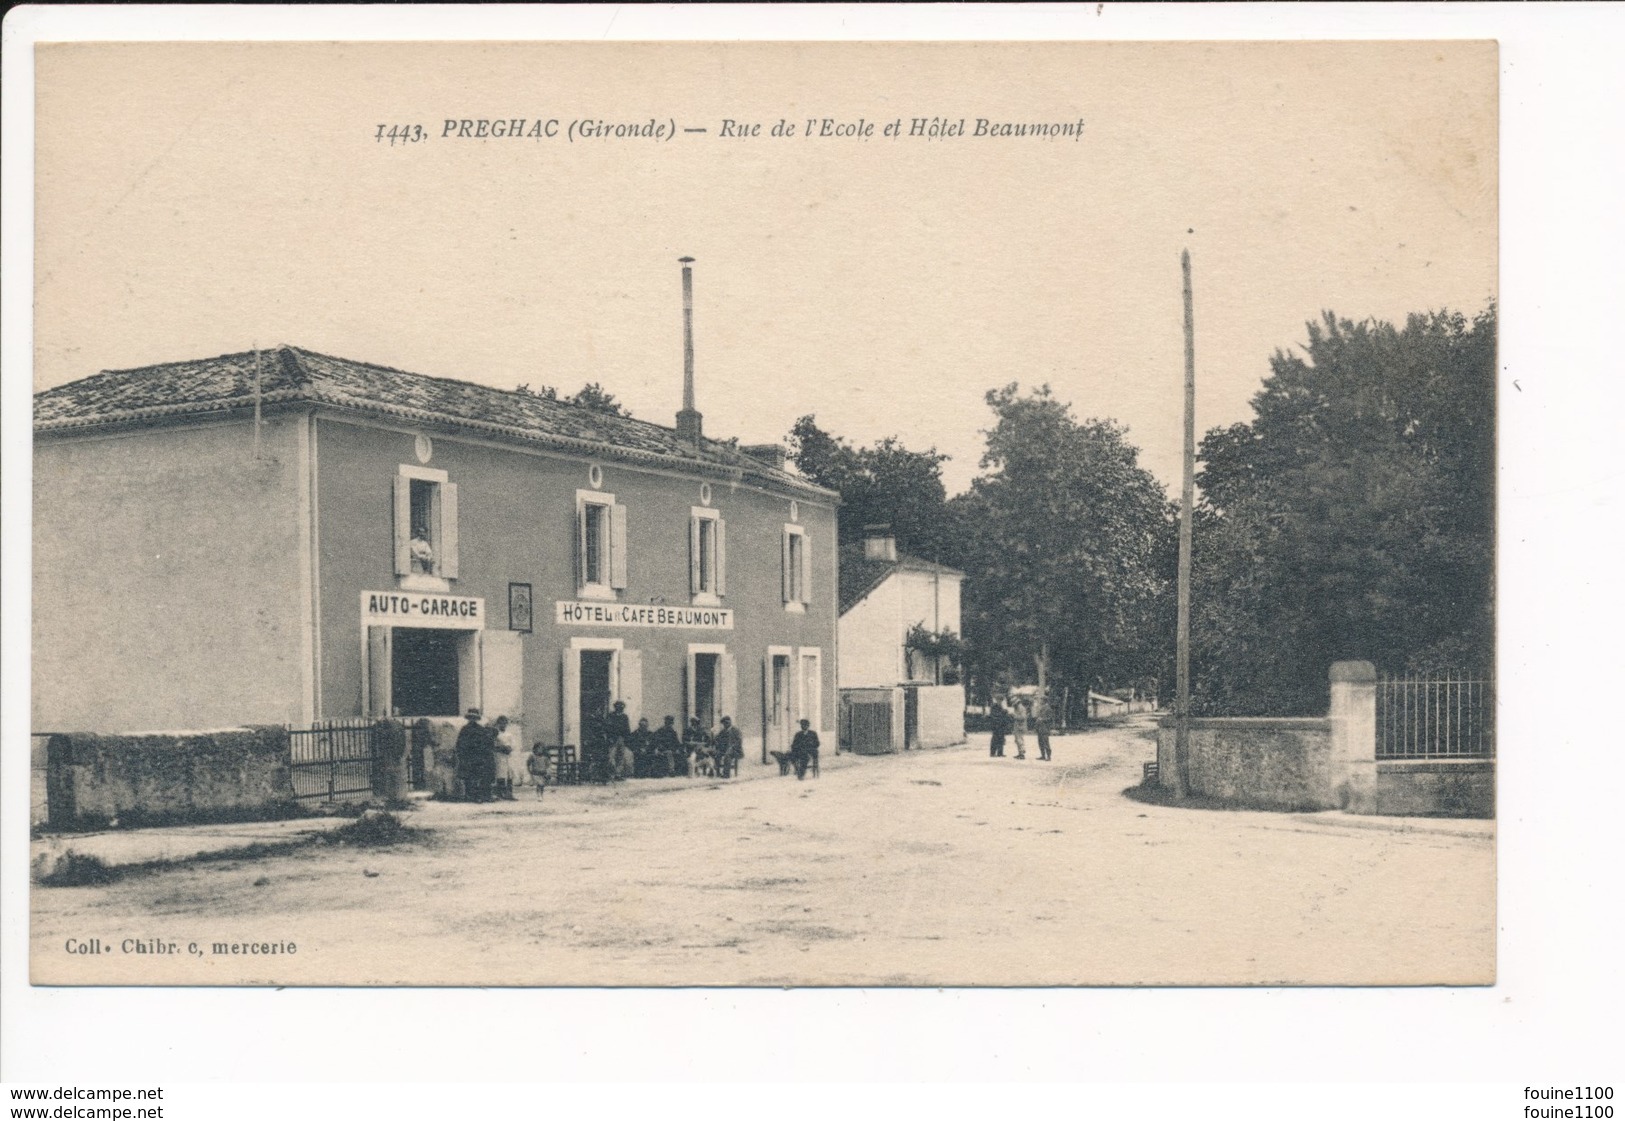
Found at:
<point>1062,537</point>
<point>886,484</point>
<point>591,396</point>
<point>1353,517</point>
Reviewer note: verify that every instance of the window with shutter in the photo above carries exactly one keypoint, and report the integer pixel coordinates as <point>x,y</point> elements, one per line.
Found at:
<point>600,545</point>
<point>705,555</point>
<point>425,537</point>
<point>795,568</point>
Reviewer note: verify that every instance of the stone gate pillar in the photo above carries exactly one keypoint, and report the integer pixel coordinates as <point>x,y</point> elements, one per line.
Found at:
<point>1353,717</point>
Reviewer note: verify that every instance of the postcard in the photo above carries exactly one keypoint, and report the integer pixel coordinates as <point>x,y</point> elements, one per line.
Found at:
<point>728,514</point>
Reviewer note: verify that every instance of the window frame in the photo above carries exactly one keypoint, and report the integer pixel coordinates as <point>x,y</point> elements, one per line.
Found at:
<point>611,546</point>
<point>795,575</point>
<point>442,528</point>
<point>707,585</point>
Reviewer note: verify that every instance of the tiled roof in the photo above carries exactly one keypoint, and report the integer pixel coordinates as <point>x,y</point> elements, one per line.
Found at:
<point>289,373</point>
<point>861,575</point>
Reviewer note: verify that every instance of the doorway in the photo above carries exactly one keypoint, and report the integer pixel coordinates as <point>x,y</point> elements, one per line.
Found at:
<point>597,692</point>
<point>705,689</point>
<point>424,672</point>
<point>778,705</point>
<point>911,717</point>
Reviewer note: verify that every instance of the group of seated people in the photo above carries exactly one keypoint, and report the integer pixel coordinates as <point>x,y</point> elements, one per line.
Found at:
<point>612,749</point>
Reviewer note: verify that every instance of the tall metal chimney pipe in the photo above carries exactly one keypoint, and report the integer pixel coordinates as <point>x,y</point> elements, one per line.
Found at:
<point>688,417</point>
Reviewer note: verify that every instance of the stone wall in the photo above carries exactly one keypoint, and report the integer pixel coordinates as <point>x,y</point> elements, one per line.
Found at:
<point>95,781</point>
<point>1310,764</point>
<point>1435,788</point>
<point>1264,763</point>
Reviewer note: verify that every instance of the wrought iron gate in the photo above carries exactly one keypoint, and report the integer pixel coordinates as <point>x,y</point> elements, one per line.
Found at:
<point>332,759</point>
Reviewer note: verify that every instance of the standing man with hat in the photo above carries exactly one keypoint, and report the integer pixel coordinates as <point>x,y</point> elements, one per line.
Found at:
<point>474,761</point>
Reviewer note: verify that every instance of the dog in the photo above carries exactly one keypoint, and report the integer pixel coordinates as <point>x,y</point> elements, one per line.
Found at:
<point>784,759</point>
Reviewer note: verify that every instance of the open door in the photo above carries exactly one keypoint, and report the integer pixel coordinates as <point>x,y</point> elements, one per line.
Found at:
<point>730,687</point>
<point>631,686</point>
<point>502,687</point>
<point>569,698</point>
<point>379,674</point>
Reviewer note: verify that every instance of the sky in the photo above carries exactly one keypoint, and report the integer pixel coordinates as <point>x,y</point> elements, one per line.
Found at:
<point>197,199</point>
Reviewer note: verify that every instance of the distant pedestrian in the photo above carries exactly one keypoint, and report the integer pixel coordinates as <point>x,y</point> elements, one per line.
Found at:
<point>1000,721</point>
<point>804,749</point>
<point>537,764</point>
<point>1018,721</point>
<point>1042,726</point>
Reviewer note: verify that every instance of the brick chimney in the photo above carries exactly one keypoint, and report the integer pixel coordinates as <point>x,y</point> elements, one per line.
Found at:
<point>688,417</point>
<point>878,543</point>
<point>770,455</point>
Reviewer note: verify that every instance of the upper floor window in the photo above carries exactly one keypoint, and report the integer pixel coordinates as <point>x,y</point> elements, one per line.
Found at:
<point>707,554</point>
<point>425,526</point>
<point>797,568</point>
<point>600,544</point>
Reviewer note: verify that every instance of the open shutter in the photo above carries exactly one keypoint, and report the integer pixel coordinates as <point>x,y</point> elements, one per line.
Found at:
<point>784,566</point>
<point>693,556</point>
<point>403,525</point>
<point>570,699</point>
<point>379,672</point>
<point>806,571</point>
<point>580,553</point>
<point>767,703</point>
<point>446,547</point>
<point>632,684</point>
<point>617,546</point>
<point>730,687</point>
<point>688,691</point>
<point>470,670</point>
<point>722,557</point>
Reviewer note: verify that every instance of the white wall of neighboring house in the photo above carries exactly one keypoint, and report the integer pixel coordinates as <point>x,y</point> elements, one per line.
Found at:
<point>873,630</point>
<point>871,642</point>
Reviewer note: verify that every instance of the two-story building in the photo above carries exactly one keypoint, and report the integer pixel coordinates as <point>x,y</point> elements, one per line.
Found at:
<point>286,537</point>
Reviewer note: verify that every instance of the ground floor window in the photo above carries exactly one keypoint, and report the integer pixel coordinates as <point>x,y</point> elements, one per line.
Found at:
<point>424,672</point>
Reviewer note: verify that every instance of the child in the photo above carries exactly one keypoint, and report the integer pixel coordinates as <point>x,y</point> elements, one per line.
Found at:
<point>537,766</point>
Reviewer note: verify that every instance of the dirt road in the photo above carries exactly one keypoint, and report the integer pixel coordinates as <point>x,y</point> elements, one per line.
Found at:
<point>932,868</point>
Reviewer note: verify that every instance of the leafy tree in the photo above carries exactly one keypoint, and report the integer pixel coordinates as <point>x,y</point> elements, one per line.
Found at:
<point>591,396</point>
<point>1062,543</point>
<point>886,484</point>
<point>1352,518</point>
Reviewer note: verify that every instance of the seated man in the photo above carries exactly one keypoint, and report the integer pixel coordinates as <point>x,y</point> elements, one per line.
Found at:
<point>698,741</point>
<point>804,749</point>
<point>643,753</point>
<point>730,747</point>
<point>668,750</point>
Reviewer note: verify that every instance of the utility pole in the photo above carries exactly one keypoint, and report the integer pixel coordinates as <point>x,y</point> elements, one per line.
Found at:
<point>1182,702</point>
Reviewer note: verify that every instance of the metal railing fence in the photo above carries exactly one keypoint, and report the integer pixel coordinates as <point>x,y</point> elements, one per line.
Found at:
<point>1436,717</point>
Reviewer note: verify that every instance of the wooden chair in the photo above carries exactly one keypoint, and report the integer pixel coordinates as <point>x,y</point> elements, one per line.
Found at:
<point>566,767</point>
